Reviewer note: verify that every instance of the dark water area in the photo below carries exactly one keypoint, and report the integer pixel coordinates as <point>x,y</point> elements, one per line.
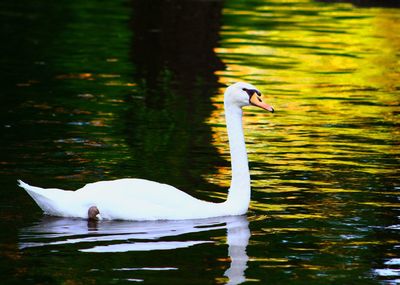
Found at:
<point>99,90</point>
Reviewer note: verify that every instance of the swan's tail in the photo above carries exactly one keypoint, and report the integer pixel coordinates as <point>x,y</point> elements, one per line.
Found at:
<point>28,187</point>
<point>51,201</point>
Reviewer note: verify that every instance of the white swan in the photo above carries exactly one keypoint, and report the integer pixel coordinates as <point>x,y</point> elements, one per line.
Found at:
<point>139,199</point>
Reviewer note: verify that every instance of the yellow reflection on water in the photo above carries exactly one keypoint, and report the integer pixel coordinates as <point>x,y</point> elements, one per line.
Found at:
<point>332,72</point>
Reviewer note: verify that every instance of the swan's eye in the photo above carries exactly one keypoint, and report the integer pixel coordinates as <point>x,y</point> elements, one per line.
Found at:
<point>251,92</point>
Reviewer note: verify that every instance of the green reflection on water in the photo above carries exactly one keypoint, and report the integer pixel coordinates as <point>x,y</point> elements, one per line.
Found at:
<point>124,89</point>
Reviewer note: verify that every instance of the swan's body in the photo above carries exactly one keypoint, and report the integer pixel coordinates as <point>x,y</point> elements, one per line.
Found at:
<point>125,199</point>
<point>139,199</point>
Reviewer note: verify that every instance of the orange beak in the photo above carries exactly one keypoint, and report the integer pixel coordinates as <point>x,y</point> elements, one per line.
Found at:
<point>257,101</point>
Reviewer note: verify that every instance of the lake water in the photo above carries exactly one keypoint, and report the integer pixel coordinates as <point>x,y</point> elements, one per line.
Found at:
<point>104,90</point>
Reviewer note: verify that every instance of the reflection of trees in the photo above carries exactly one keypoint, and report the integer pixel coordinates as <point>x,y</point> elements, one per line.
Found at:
<point>179,36</point>
<point>173,53</point>
<point>367,3</point>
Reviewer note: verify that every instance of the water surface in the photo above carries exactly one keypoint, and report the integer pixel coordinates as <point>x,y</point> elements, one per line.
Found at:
<point>97,91</point>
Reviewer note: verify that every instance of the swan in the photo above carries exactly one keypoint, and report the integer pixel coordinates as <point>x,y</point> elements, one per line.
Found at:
<point>140,199</point>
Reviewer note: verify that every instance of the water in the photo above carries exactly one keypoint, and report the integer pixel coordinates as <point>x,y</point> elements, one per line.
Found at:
<point>94,91</point>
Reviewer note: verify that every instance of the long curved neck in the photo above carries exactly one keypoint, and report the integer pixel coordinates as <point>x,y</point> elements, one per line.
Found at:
<point>239,192</point>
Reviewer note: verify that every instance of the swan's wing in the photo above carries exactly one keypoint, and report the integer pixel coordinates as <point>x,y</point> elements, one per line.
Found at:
<point>136,191</point>
<point>137,199</point>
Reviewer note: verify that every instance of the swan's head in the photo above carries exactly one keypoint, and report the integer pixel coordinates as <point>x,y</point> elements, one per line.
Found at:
<point>244,94</point>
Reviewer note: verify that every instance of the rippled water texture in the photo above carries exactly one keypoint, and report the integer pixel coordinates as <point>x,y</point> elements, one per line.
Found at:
<point>105,90</point>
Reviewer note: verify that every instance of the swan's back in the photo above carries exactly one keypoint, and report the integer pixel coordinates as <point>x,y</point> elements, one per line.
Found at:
<point>137,199</point>
<point>133,189</point>
<point>123,199</point>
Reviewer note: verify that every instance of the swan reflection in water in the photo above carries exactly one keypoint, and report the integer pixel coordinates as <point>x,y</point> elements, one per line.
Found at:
<point>123,236</point>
